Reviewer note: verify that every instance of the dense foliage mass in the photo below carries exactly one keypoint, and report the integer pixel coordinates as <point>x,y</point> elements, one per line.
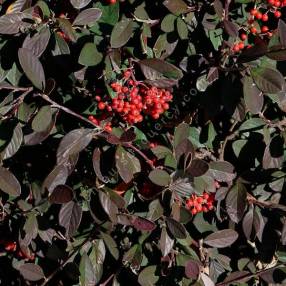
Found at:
<point>142,142</point>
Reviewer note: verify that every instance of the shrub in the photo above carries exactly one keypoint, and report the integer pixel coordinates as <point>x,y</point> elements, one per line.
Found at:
<point>142,142</point>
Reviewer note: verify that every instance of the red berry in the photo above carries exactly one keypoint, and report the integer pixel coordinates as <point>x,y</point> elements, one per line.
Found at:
<point>205,196</point>
<point>264,29</point>
<point>111,1</point>
<point>200,200</point>
<point>241,45</point>
<point>101,105</point>
<point>271,2</point>
<point>243,37</point>
<point>107,128</point>
<point>90,117</point>
<point>127,74</point>
<point>253,30</point>
<point>97,98</point>
<point>236,48</point>
<point>264,18</point>
<point>194,211</point>
<point>258,15</point>
<point>199,208</point>
<point>277,14</point>
<point>277,4</point>
<point>253,12</point>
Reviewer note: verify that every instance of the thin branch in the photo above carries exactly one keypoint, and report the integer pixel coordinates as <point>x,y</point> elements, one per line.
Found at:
<point>250,275</point>
<point>67,110</point>
<point>231,136</point>
<point>281,124</point>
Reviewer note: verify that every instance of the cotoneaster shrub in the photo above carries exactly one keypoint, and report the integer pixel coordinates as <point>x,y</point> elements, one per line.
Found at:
<point>142,142</point>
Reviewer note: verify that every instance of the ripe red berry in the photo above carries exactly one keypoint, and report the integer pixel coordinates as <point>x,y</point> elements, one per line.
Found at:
<point>236,48</point>
<point>206,196</point>
<point>271,2</point>
<point>258,15</point>
<point>127,74</point>
<point>253,30</point>
<point>111,1</point>
<point>264,29</point>
<point>253,12</point>
<point>277,14</point>
<point>194,211</point>
<point>264,18</point>
<point>101,105</point>
<point>97,98</point>
<point>277,3</point>
<point>241,45</point>
<point>243,37</point>
<point>199,208</point>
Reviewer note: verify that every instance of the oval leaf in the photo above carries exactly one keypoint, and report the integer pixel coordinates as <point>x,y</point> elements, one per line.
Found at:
<point>31,272</point>
<point>87,17</point>
<point>61,194</point>
<point>160,177</point>
<point>32,68</point>
<point>222,238</point>
<point>121,33</point>
<point>8,183</point>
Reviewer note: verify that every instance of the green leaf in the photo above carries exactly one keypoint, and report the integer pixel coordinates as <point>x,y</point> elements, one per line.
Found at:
<point>110,13</point>
<point>121,33</point>
<point>126,164</point>
<point>159,177</point>
<point>268,80</point>
<point>168,23</point>
<point>110,244</point>
<point>11,23</point>
<point>43,119</point>
<point>182,29</point>
<point>282,32</point>
<point>147,276</point>
<point>32,68</point>
<point>8,183</point>
<point>89,55</point>
<point>155,210</point>
<point>87,275</point>
<point>222,238</point>
<point>67,28</point>
<point>87,17</point>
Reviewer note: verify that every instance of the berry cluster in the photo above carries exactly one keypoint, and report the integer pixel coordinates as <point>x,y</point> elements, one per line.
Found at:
<point>133,101</point>
<point>259,16</point>
<point>203,203</point>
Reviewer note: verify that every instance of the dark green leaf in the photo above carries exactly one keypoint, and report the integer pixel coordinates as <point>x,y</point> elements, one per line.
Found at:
<point>87,275</point>
<point>121,33</point>
<point>43,119</point>
<point>110,244</point>
<point>147,276</point>
<point>159,177</point>
<point>282,32</point>
<point>89,55</point>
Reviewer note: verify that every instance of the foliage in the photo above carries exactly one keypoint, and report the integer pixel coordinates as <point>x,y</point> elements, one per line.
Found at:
<point>142,141</point>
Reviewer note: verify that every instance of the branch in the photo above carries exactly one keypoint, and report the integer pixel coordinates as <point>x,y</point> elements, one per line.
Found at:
<point>231,136</point>
<point>250,275</point>
<point>65,109</point>
<point>275,124</point>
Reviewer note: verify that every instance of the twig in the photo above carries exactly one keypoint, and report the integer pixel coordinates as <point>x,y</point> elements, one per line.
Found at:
<point>277,124</point>
<point>228,138</point>
<point>139,152</point>
<point>250,275</point>
<point>65,109</point>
